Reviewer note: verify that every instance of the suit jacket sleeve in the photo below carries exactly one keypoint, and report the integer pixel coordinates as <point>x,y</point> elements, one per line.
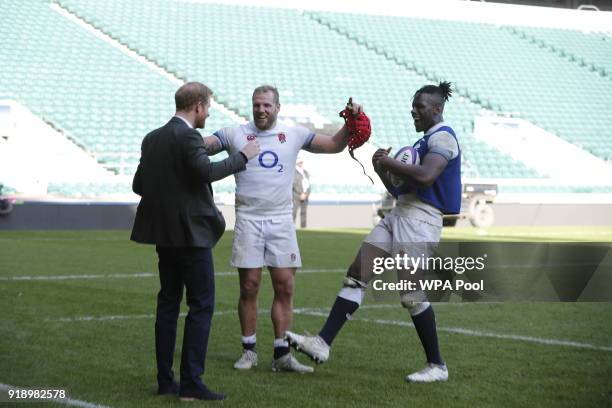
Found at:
<point>137,182</point>
<point>196,159</point>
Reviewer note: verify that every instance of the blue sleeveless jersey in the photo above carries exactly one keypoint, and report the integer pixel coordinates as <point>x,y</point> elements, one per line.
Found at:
<point>445,192</point>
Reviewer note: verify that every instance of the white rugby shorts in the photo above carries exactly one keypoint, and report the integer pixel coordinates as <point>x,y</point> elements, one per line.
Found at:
<point>396,233</point>
<point>270,242</point>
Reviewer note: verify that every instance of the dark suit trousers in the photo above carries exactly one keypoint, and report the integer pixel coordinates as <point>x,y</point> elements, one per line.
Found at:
<point>192,268</point>
<point>302,206</point>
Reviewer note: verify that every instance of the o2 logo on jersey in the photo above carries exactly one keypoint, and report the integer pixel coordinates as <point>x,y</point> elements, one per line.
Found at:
<point>268,160</point>
<point>251,137</point>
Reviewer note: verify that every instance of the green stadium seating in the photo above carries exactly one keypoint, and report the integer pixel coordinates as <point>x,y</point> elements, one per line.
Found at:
<point>96,95</point>
<point>592,50</point>
<point>242,47</point>
<point>497,69</point>
<point>106,101</point>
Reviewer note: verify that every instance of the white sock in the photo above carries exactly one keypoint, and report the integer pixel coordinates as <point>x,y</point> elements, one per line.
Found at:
<point>353,294</point>
<point>281,343</point>
<point>252,339</point>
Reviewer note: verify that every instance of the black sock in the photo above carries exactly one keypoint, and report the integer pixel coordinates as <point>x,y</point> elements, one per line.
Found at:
<point>249,346</point>
<point>425,325</point>
<point>337,316</point>
<point>280,351</point>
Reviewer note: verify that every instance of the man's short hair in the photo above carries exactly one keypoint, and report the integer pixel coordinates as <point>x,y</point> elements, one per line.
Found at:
<point>267,88</point>
<point>190,94</point>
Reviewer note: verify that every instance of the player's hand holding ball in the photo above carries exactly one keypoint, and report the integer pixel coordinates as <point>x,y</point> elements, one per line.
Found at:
<point>379,155</point>
<point>251,149</point>
<point>406,155</point>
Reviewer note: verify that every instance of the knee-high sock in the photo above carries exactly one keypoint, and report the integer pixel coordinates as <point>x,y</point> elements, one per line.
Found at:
<point>347,302</point>
<point>425,325</point>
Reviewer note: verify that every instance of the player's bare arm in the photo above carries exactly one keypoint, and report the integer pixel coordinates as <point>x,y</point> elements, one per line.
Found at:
<point>212,144</point>
<point>424,175</point>
<point>323,143</point>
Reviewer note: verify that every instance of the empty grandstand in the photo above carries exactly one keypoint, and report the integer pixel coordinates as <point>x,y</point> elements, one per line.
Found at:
<point>100,75</point>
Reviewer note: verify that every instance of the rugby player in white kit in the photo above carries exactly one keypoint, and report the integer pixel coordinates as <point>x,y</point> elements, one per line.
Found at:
<point>264,234</point>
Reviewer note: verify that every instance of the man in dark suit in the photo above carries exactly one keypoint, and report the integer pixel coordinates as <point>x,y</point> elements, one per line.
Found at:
<point>178,215</point>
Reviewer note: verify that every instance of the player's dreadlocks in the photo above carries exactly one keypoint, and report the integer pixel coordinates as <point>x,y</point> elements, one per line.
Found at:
<point>443,90</point>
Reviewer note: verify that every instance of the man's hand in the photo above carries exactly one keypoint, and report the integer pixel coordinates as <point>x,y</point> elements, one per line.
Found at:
<point>379,155</point>
<point>302,196</point>
<point>354,107</point>
<point>251,149</point>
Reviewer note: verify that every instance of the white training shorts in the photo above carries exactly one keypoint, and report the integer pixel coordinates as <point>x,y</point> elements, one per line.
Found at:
<point>270,242</point>
<point>396,233</point>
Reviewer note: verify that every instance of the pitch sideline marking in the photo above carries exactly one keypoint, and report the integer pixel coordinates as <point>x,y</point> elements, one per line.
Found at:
<point>136,275</point>
<point>468,332</point>
<point>152,316</point>
<point>65,401</point>
<point>121,317</point>
<point>320,312</point>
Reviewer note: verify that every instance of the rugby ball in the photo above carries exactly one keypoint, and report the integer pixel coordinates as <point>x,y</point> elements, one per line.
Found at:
<point>405,155</point>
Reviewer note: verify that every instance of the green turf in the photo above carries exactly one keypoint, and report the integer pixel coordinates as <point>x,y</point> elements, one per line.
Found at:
<point>111,362</point>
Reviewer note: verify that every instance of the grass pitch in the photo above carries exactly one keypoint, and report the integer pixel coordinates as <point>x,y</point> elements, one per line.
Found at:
<point>64,325</point>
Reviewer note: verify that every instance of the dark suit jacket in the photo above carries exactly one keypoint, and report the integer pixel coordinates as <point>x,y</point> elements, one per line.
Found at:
<point>297,185</point>
<point>173,179</point>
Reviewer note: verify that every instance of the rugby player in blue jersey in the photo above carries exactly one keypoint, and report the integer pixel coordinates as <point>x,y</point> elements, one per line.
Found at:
<point>431,189</point>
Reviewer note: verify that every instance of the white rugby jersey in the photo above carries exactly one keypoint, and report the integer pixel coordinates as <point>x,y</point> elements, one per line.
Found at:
<point>264,189</point>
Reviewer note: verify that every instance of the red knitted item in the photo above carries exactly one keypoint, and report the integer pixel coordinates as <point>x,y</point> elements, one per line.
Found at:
<point>358,126</point>
<point>359,129</point>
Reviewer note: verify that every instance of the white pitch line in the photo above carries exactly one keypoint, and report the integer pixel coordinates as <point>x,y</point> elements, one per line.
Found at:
<point>121,317</point>
<point>76,277</point>
<point>65,401</point>
<point>136,275</point>
<point>469,332</point>
<point>234,273</point>
<point>152,316</point>
<point>321,312</point>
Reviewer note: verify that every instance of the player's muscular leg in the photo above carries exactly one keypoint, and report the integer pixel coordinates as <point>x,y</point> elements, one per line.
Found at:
<point>282,305</point>
<point>349,298</point>
<point>363,264</point>
<point>250,279</point>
